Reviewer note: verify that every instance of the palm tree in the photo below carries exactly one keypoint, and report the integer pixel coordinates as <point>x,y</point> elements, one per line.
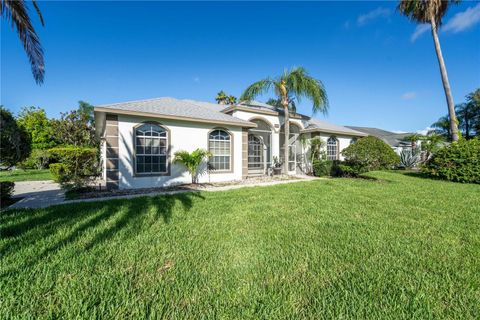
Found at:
<point>223,98</point>
<point>16,11</point>
<point>467,114</point>
<point>432,12</point>
<point>295,83</point>
<point>442,127</point>
<point>192,161</point>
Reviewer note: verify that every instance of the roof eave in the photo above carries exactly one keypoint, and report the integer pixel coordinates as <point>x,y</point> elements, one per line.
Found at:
<point>359,134</point>
<point>245,124</point>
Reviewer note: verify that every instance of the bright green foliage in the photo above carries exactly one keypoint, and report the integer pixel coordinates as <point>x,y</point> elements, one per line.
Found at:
<point>76,167</point>
<point>25,175</point>
<point>6,191</point>
<point>75,128</point>
<point>40,128</point>
<point>322,167</point>
<point>38,159</point>
<point>401,247</point>
<point>14,140</point>
<point>195,162</point>
<point>370,153</point>
<point>223,98</point>
<point>458,162</point>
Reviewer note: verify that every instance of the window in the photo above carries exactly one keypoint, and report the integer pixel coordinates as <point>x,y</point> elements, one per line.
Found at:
<point>151,149</point>
<point>353,140</point>
<point>332,148</point>
<point>219,145</point>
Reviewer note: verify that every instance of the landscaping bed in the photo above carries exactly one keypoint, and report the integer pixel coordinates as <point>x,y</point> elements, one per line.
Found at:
<point>96,192</point>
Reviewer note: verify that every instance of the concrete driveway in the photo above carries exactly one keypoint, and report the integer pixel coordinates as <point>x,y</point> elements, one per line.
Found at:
<point>37,194</point>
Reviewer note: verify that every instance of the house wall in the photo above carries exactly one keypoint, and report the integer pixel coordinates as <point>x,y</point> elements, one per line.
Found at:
<point>184,135</point>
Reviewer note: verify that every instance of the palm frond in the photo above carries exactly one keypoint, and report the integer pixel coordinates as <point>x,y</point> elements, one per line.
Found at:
<point>302,85</point>
<point>256,89</point>
<point>39,13</point>
<point>17,13</point>
<point>420,11</point>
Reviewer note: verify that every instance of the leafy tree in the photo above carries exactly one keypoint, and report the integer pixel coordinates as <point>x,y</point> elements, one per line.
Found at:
<point>432,143</point>
<point>193,162</point>
<point>223,98</point>
<point>432,12</point>
<point>40,128</point>
<point>86,109</point>
<point>16,12</point>
<point>295,83</point>
<point>74,128</point>
<point>14,140</point>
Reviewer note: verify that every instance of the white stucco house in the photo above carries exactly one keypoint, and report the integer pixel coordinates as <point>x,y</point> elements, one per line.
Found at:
<point>139,139</point>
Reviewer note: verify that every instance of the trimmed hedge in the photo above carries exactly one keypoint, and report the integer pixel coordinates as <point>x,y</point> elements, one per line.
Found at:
<point>370,153</point>
<point>6,191</point>
<point>459,162</point>
<point>77,166</point>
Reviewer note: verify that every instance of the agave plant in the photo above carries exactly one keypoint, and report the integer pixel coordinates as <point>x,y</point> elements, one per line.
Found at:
<point>409,158</point>
<point>193,162</point>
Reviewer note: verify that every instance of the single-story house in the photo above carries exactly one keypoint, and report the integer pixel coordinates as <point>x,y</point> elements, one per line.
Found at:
<point>397,141</point>
<point>140,138</point>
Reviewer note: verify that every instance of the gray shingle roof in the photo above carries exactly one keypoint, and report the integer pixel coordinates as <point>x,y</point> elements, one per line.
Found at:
<point>391,138</point>
<point>323,126</point>
<point>188,109</point>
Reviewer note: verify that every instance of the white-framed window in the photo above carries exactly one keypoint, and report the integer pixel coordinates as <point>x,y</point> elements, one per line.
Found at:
<point>220,146</point>
<point>151,149</point>
<point>332,148</point>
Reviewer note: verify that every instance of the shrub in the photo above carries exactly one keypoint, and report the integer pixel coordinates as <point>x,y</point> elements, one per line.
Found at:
<point>193,162</point>
<point>6,191</point>
<point>370,153</point>
<point>458,162</point>
<point>38,159</point>
<point>76,167</point>
<point>14,140</point>
<point>343,169</point>
<point>322,168</point>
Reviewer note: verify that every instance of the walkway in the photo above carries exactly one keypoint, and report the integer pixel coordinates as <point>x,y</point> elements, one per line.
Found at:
<point>37,194</point>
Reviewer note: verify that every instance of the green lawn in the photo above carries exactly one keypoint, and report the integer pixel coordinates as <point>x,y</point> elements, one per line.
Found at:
<point>25,175</point>
<point>401,247</point>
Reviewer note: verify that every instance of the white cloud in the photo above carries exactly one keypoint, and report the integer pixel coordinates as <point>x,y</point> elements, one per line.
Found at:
<point>419,30</point>
<point>409,95</point>
<point>463,20</point>
<point>196,79</point>
<point>459,22</point>
<point>372,15</point>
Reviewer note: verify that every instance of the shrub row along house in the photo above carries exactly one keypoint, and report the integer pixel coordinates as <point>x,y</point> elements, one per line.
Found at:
<point>140,138</point>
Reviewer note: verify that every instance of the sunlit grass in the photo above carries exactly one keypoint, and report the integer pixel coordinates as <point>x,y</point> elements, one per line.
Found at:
<point>25,175</point>
<point>399,247</point>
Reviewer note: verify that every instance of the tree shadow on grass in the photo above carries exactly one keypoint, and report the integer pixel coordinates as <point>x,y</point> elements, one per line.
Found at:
<point>128,216</point>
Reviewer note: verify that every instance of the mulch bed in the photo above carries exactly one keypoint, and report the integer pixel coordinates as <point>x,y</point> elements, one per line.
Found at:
<point>102,192</point>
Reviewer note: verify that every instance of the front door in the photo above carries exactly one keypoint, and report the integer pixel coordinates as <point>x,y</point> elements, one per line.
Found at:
<point>256,157</point>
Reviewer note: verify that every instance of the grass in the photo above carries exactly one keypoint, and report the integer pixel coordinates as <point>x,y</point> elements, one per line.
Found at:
<point>25,175</point>
<point>400,247</point>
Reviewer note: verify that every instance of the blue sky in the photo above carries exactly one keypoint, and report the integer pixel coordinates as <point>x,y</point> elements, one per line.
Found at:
<point>379,69</point>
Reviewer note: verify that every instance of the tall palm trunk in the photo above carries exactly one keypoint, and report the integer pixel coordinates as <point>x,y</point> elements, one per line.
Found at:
<point>446,84</point>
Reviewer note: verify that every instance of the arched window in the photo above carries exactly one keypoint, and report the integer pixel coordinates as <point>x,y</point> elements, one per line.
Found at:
<point>332,148</point>
<point>220,146</point>
<point>151,149</point>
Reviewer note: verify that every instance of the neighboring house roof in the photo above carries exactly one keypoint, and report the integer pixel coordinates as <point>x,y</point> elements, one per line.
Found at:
<point>391,138</point>
<point>172,108</point>
<point>323,126</point>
